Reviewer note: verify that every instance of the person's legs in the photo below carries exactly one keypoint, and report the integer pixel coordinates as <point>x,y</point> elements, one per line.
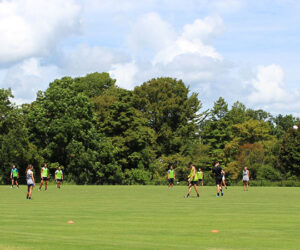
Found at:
<point>41,184</point>
<point>247,185</point>
<point>190,188</point>
<point>46,185</point>
<point>196,189</point>
<point>202,182</point>
<point>12,182</point>
<point>29,191</point>
<point>17,184</point>
<point>218,190</point>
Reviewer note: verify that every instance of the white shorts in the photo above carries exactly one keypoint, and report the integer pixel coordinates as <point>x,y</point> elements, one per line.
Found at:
<point>245,178</point>
<point>223,178</point>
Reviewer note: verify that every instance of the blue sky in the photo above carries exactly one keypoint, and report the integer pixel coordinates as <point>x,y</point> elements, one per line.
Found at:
<point>238,49</point>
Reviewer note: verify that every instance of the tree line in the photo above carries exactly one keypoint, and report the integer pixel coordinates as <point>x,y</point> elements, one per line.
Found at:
<point>103,134</point>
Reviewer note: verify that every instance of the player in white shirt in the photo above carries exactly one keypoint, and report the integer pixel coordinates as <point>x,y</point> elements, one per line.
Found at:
<point>30,181</point>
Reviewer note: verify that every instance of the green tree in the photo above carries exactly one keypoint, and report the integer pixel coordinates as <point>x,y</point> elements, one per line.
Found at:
<point>171,112</point>
<point>63,125</point>
<point>129,132</point>
<point>15,147</point>
<point>289,155</point>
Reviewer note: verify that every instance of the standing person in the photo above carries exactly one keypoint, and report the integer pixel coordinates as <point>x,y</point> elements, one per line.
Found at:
<point>246,177</point>
<point>44,176</point>
<point>217,171</point>
<point>171,176</point>
<point>192,179</point>
<point>200,177</point>
<point>59,176</point>
<point>30,181</point>
<point>14,176</point>
<point>223,179</point>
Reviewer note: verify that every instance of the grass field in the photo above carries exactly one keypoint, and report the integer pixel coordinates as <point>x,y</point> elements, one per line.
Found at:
<point>149,217</point>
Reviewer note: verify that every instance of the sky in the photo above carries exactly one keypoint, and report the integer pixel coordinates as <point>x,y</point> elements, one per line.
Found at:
<point>241,50</point>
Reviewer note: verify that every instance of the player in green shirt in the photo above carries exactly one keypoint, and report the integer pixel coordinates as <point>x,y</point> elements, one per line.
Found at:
<point>44,176</point>
<point>171,176</point>
<point>192,180</point>
<point>200,176</point>
<point>59,177</point>
<point>14,176</point>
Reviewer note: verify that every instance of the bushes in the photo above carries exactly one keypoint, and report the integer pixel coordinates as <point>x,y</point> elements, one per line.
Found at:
<point>268,172</point>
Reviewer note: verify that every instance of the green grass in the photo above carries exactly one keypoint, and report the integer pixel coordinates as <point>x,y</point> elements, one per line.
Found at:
<point>149,217</point>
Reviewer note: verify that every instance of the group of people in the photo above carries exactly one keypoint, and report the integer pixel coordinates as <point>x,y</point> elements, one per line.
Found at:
<point>30,178</point>
<point>195,178</point>
<point>171,177</point>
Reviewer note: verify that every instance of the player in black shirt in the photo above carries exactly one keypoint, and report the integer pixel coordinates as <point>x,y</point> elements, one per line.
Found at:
<point>217,171</point>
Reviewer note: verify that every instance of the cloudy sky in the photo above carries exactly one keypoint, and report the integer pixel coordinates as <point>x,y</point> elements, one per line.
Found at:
<point>239,49</point>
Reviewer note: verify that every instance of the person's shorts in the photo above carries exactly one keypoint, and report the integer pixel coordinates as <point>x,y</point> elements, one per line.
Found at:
<point>223,178</point>
<point>58,180</point>
<point>30,185</point>
<point>199,180</point>
<point>15,178</point>
<point>245,179</point>
<point>218,180</point>
<point>194,183</point>
<point>171,180</point>
<point>45,178</point>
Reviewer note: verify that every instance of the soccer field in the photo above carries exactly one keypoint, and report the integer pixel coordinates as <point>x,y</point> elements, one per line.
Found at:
<point>149,217</point>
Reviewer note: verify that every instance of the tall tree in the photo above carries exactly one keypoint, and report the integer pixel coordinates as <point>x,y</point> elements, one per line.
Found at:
<point>15,147</point>
<point>63,126</point>
<point>171,112</point>
<point>289,155</point>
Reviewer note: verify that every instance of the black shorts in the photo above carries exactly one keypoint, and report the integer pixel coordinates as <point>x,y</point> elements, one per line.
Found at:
<point>219,180</point>
<point>199,180</point>
<point>194,183</point>
<point>58,180</point>
<point>171,180</point>
<point>15,178</point>
<point>45,178</point>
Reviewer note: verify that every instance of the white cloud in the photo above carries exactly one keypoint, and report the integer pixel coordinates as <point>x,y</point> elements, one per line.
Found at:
<point>187,54</point>
<point>33,28</point>
<point>268,85</point>
<point>84,59</point>
<point>271,93</point>
<point>125,74</point>
<point>205,30</point>
<point>150,31</point>
<point>27,77</point>
<point>183,46</point>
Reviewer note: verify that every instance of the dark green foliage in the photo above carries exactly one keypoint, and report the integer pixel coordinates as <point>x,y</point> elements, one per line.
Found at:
<point>104,134</point>
<point>15,147</point>
<point>289,155</point>
<point>170,112</point>
<point>63,125</point>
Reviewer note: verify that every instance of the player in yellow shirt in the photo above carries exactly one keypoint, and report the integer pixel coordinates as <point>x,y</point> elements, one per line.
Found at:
<point>200,177</point>
<point>171,176</point>
<point>192,179</point>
